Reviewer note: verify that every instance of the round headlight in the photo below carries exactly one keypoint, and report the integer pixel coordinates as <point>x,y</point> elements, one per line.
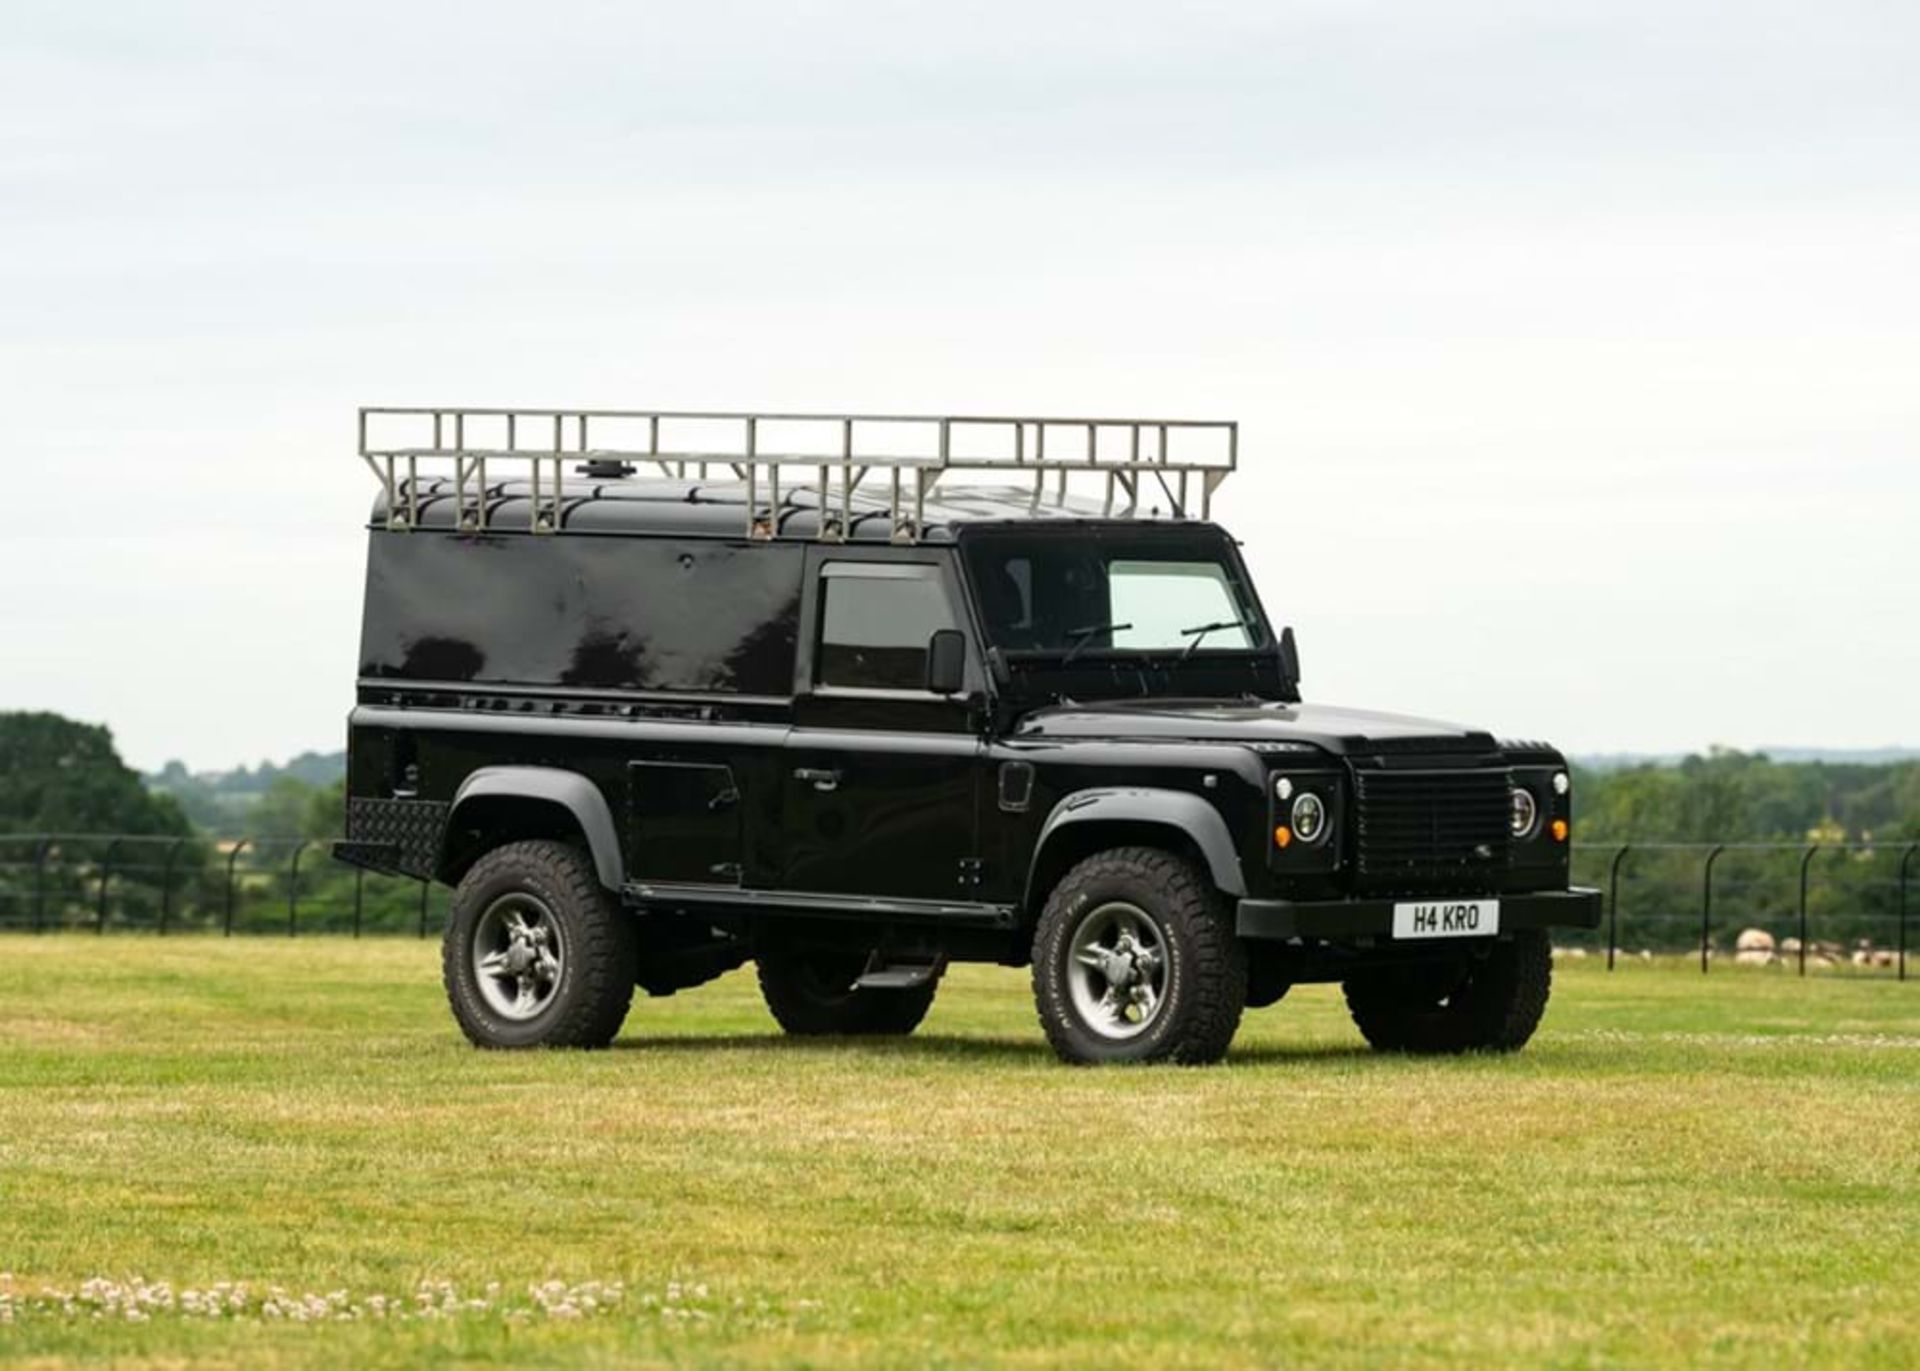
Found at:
<point>1309,817</point>
<point>1523,812</point>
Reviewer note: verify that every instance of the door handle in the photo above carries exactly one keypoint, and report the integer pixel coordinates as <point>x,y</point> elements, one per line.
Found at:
<point>823,778</point>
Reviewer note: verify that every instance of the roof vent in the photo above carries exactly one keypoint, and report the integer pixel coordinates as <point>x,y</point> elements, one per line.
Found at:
<point>605,469</point>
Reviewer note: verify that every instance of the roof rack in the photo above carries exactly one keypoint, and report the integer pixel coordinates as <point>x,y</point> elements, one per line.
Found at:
<point>1189,458</point>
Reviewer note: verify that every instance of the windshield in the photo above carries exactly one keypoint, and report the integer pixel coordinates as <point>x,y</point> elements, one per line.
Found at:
<point>1075,594</point>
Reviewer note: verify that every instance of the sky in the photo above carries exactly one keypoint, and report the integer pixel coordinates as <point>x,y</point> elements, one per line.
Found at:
<point>1576,348</point>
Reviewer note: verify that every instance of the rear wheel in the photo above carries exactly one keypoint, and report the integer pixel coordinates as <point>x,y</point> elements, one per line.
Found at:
<point>537,952</point>
<point>811,992</point>
<point>1134,961</point>
<point>1489,1004</point>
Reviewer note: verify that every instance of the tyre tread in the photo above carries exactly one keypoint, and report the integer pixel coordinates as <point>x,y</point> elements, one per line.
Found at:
<point>1218,972</point>
<point>603,957</point>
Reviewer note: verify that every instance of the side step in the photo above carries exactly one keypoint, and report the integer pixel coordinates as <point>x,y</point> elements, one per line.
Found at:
<point>883,974</point>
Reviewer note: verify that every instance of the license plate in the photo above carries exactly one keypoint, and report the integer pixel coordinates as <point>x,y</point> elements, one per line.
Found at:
<point>1447,919</point>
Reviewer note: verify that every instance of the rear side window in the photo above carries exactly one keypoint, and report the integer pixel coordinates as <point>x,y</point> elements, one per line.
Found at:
<point>588,613</point>
<point>874,624</point>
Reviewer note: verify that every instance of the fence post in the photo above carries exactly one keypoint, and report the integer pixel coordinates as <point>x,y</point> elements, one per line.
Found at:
<point>40,884</point>
<point>359,896</point>
<point>1805,858</point>
<point>1905,861</point>
<point>106,875</point>
<point>293,889</point>
<point>166,884</point>
<point>1706,905</point>
<point>232,857</point>
<point>426,888</point>
<point>1613,903</point>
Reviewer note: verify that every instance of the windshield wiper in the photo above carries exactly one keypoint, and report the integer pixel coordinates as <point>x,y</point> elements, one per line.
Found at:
<point>1080,637</point>
<point>1199,631</point>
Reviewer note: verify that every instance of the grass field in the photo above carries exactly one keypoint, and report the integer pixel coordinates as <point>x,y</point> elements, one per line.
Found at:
<point>1671,1174</point>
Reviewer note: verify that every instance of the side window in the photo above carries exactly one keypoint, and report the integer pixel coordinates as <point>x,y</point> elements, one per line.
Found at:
<point>874,624</point>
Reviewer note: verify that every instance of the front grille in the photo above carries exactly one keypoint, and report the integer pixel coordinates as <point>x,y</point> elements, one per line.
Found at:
<point>1430,830</point>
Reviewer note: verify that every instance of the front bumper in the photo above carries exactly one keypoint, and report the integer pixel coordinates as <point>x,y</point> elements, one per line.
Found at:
<point>1343,920</point>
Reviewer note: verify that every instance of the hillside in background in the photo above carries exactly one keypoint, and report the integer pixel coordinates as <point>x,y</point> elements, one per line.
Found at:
<point>1867,756</point>
<point>252,799</point>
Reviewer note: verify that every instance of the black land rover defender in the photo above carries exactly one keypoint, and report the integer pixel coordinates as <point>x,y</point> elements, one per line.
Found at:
<point>659,694</point>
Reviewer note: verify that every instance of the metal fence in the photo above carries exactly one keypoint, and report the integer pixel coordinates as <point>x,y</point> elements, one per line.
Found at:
<point>232,886</point>
<point>1810,905</point>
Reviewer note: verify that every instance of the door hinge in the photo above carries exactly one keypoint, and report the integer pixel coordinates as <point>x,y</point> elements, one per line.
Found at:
<point>970,872</point>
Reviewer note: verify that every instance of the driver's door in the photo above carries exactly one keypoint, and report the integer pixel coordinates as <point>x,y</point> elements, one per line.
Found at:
<point>882,773</point>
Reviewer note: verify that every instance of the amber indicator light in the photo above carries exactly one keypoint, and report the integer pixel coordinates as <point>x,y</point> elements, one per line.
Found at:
<point>1282,835</point>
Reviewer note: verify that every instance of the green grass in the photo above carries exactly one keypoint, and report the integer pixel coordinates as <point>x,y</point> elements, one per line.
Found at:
<point>1674,1173</point>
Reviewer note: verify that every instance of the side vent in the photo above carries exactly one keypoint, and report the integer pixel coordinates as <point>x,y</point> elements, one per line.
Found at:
<point>1016,786</point>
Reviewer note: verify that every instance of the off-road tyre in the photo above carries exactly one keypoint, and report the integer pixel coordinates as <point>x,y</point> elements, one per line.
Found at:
<point>594,989</point>
<point>1205,989</point>
<point>1490,1004</point>
<point>811,993</point>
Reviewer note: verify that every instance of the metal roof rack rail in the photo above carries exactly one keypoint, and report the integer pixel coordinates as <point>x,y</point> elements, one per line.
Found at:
<point>842,451</point>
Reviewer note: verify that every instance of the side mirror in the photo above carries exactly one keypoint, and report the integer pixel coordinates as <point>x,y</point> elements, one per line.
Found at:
<point>1289,655</point>
<point>946,661</point>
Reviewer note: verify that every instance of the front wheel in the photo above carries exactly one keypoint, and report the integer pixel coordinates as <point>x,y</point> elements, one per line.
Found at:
<point>1491,1003</point>
<point>537,953</point>
<point>1134,961</point>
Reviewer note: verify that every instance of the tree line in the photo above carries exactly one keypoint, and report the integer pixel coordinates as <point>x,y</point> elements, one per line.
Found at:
<point>175,857</point>
<point>1728,796</point>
